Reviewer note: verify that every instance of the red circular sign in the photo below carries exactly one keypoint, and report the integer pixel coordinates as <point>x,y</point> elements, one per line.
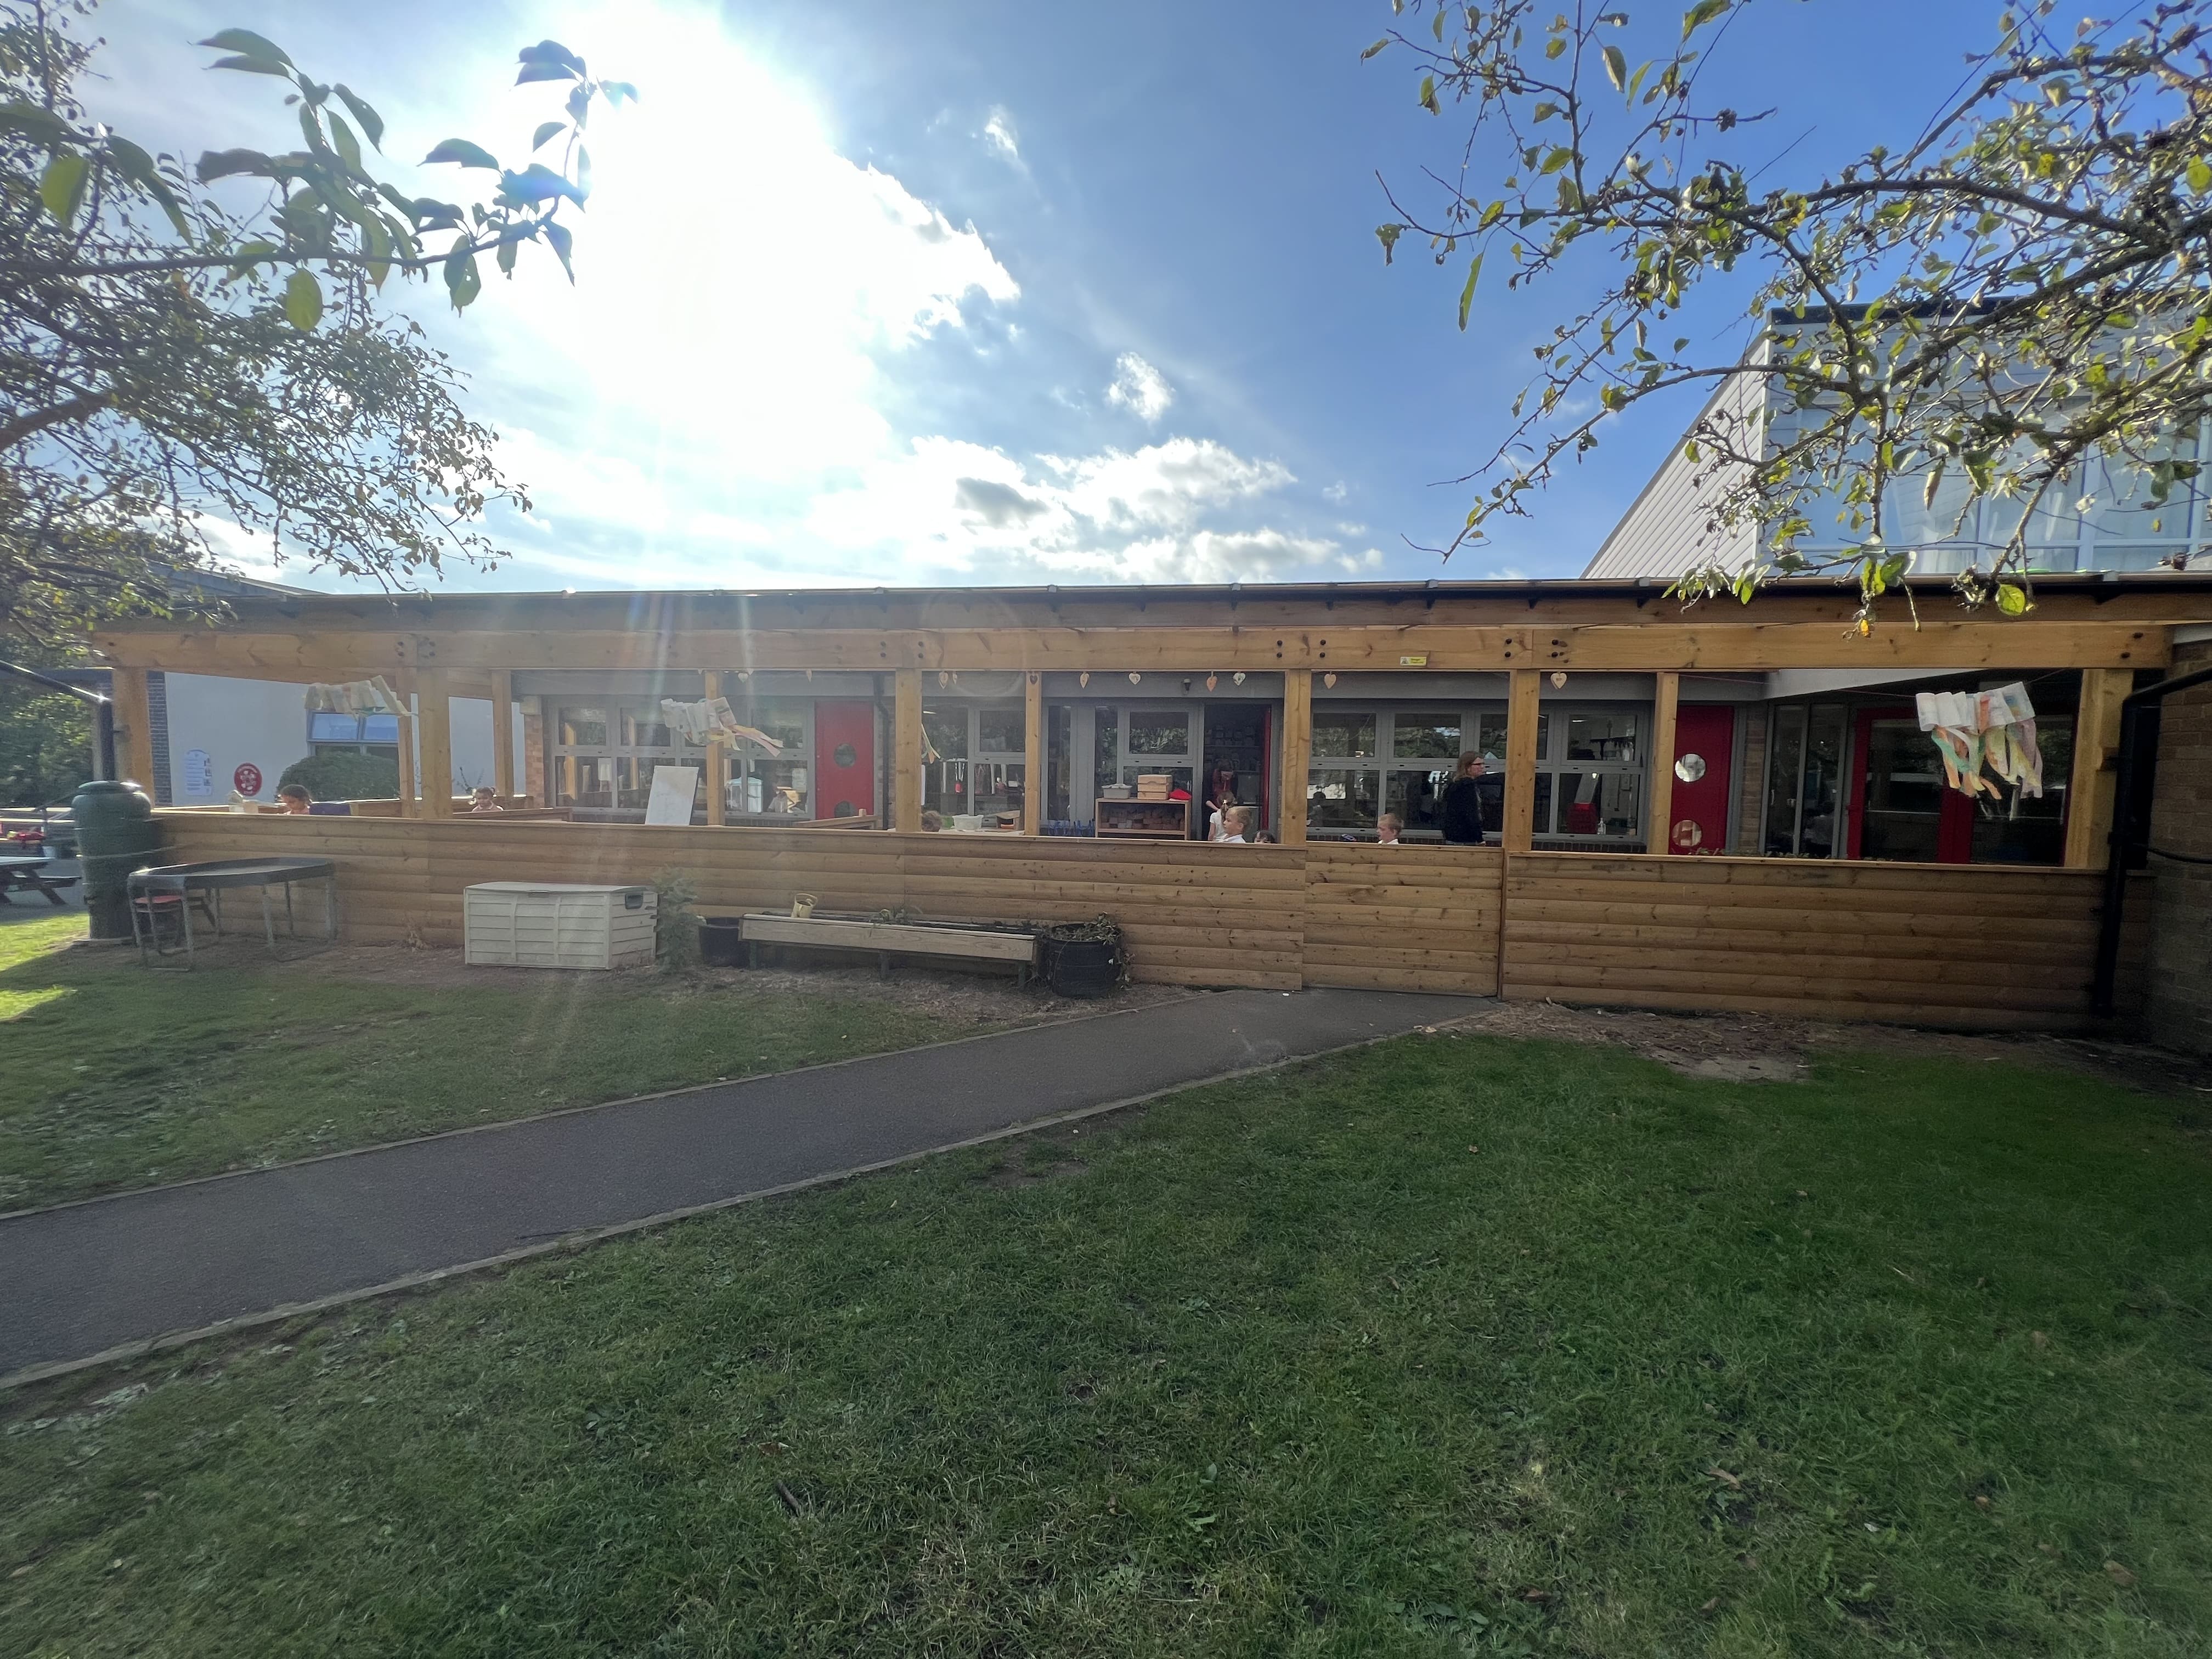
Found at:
<point>247,778</point>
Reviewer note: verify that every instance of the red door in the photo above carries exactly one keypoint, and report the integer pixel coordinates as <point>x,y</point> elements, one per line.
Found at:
<point>1701,812</point>
<point>844,760</point>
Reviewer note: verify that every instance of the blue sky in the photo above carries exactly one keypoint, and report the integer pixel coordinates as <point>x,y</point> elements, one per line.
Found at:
<point>974,292</point>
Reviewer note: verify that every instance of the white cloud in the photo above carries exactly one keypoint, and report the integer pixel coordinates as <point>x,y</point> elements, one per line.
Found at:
<point>999,133</point>
<point>1119,515</point>
<point>1140,388</point>
<point>1336,492</point>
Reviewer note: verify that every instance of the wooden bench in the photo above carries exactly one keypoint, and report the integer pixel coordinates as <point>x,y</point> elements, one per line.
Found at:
<point>886,940</point>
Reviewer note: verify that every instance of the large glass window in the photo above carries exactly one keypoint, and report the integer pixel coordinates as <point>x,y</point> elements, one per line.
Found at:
<point>370,734</point>
<point>977,761</point>
<point>604,753</point>
<point>1807,749</point>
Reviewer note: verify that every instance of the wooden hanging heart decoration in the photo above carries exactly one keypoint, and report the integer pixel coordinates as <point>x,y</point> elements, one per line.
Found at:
<point>1213,680</point>
<point>1329,680</point>
<point>1559,679</point>
<point>1134,676</point>
<point>1238,677</point>
<point>943,680</point>
<point>1083,679</point>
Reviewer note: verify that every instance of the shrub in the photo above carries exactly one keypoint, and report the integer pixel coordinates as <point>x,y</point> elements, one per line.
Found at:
<point>345,775</point>
<point>675,929</point>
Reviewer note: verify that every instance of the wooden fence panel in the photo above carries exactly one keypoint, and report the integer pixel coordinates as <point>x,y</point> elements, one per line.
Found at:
<point>1977,946</point>
<point>1970,946</point>
<point>1403,918</point>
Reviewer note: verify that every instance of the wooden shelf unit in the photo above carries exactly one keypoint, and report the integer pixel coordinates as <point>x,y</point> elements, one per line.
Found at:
<point>1144,820</point>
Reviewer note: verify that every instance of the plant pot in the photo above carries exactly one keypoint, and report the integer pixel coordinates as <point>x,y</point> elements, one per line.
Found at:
<point>1083,967</point>
<point>722,941</point>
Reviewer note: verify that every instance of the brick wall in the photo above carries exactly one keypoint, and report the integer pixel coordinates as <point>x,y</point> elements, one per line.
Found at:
<point>2178,1009</point>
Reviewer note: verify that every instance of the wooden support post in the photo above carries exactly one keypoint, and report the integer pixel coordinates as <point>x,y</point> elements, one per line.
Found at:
<point>1517,835</point>
<point>1660,813</point>
<point>906,749</point>
<point>2096,752</point>
<point>1297,754</point>
<point>717,761</point>
<point>1033,778</point>
<point>404,683</point>
<point>436,739</point>
<point>134,720</point>
<point>503,736</point>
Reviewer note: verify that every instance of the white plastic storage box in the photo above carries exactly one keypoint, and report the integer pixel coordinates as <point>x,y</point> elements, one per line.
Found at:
<point>517,924</point>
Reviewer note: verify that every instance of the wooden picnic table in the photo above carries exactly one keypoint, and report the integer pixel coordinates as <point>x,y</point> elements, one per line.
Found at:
<point>28,875</point>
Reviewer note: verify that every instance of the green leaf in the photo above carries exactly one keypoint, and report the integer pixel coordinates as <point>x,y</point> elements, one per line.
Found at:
<point>224,163</point>
<point>134,164</point>
<point>1616,68</point>
<point>619,90</point>
<point>32,122</point>
<point>561,240</point>
<point>2012,599</point>
<point>1380,45</point>
<point>1388,235</point>
<point>253,66</point>
<point>61,188</point>
<point>554,53</point>
<point>250,44</point>
<point>549,130</point>
<point>461,152</point>
<point>378,242</point>
<point>246,256</point>
<point>348,146</point>
<point>303,300</point>
<point>544,72</point>
<point>371,122</point>
<point>1702,14</point>
<point>1428,98</point>
<point>463,282</point>
<point>1467,294</point>
<point>2200,174</point>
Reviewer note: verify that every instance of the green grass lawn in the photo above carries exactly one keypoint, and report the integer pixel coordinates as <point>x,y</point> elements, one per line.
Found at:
<point>113,1077</point>
<point>1909,1358</point>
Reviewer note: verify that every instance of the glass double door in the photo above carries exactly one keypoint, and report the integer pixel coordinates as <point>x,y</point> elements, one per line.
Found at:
<point>1187,743</point>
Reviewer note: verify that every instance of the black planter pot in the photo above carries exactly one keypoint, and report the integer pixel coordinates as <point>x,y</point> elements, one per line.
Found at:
<point>722,941</point>
<point>1083,967</point>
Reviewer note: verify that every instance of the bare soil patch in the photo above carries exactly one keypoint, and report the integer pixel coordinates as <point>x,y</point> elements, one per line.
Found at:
<point>981,1000</point>
<point>1757,1048</point>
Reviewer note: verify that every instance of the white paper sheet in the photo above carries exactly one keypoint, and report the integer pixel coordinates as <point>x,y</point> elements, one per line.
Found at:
<point>673,788</point>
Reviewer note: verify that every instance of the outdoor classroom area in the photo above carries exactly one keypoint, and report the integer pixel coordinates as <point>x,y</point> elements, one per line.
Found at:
<point>1541,1244</point>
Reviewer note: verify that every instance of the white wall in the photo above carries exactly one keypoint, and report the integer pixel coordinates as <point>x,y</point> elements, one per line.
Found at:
<point>264,723</point>
<point>1666,530</point>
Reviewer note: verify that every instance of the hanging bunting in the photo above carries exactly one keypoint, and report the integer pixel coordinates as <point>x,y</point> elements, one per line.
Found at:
<point>1213,680</point>
<point>1083,679</point>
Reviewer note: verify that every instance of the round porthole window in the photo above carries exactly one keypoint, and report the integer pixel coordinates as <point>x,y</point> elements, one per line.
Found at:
<point>845,809</point>
<point>843,755</point>
<point>1690,768</point>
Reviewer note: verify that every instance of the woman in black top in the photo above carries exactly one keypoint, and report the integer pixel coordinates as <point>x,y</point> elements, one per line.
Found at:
<point>1462,803</point>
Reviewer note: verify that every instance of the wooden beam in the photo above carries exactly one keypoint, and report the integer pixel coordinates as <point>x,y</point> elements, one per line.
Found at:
<point>1522,711</point>
<point>409,807</point>
<point>2089,790</point>
<point>502,734</point>
<point>906,749</point>
<point>1033,777</point>
<point>1298,756</point>
<point>434,734</point>
<point>1660,812</point>
<point>717,761</point>
<point>1652,647</point>
<point>134,728</point>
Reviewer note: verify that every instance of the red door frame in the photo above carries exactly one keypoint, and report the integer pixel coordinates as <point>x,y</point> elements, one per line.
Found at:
<point>844,722</point>
<point>1719,780</point>
<point>1954,819</point>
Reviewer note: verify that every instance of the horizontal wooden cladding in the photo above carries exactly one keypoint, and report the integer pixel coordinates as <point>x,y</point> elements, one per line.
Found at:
<point>1983,946</point>
<point>1403,918</point>
<point>1349,647</point>
<point>1970,946</point>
